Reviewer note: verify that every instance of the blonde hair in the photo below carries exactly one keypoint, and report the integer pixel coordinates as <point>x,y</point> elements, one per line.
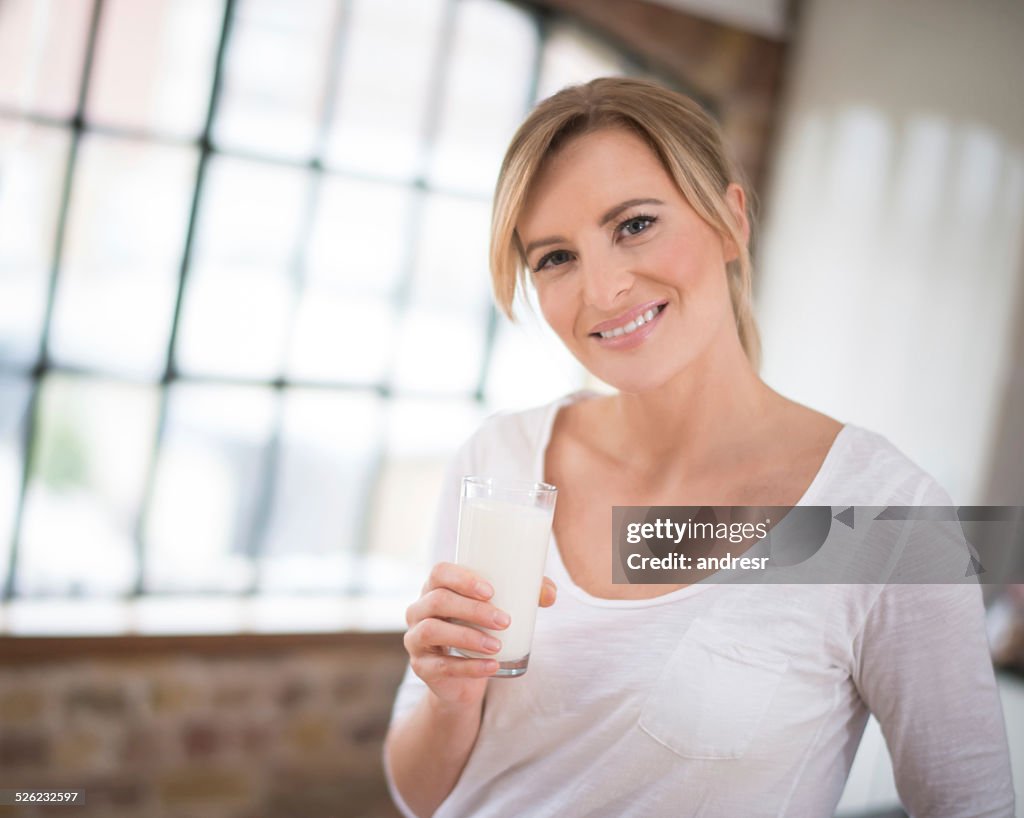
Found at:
<point>681,134</point>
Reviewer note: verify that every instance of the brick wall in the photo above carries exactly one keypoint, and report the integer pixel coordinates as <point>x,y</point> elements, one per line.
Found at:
<point>200,727</point>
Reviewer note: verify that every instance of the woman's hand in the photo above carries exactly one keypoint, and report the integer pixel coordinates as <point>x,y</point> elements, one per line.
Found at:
<point>453,592</point>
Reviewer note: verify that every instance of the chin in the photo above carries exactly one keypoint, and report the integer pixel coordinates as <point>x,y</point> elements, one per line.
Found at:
<point>644,371</point>
<point>631,380</point>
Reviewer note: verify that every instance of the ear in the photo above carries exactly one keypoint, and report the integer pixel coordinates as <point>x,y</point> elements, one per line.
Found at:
<point>736,200</point>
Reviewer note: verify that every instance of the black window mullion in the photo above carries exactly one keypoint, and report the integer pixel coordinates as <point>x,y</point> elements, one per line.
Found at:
<point>439,73</point>
<point>43,364</point>
<point>90,373</point>
<point>403,289</point>
<point>81,124</point>
<point>170,374</point>
<point>541,25</point>
<point>272,456</point>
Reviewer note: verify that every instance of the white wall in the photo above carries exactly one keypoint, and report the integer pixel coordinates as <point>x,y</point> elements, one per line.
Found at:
<point>890,259</point>
<point>891,288</point>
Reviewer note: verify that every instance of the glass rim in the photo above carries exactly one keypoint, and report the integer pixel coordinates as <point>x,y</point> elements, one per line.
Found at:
<point>510,484</point>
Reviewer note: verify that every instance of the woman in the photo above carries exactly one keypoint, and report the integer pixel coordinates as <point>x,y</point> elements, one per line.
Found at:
<point>616,200</point>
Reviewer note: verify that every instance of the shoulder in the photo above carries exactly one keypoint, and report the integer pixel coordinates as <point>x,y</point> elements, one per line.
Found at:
<point>868,469</point>
<point>510,443</point>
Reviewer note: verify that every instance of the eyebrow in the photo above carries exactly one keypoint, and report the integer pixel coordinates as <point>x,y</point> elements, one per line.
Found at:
<point>607,217</point>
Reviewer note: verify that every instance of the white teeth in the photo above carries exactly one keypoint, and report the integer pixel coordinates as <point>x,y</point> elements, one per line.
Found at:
<point>637,322</point>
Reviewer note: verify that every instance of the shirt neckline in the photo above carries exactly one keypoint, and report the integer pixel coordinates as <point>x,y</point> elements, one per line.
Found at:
<point>563,578</point>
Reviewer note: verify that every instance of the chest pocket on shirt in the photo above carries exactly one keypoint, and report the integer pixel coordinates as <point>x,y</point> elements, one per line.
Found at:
<point>712,695</point>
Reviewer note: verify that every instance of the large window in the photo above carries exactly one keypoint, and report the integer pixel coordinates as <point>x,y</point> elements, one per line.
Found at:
<point>244,305</point>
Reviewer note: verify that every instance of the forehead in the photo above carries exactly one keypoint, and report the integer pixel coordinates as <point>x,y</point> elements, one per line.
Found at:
<point>594,171</point>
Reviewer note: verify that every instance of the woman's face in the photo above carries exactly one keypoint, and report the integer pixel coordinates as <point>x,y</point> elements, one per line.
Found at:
<point>627,274</point>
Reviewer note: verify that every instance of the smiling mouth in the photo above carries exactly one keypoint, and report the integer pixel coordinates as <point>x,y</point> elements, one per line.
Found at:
<point>631,326</point>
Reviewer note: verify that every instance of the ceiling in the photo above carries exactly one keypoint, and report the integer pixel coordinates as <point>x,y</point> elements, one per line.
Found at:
<point>766,17</point>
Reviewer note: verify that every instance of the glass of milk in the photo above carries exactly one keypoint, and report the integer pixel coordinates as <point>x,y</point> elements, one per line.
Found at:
<point>504,529</point>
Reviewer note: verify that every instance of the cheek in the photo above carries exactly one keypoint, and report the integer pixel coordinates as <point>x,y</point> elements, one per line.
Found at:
<point>695,266</point>
<point>558,306</point>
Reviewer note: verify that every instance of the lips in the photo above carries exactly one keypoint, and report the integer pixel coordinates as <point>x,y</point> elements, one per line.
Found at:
<point>626,339</point>
<point>630,320</point>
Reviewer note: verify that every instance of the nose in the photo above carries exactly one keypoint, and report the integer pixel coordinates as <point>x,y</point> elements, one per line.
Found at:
<point>605,280</point>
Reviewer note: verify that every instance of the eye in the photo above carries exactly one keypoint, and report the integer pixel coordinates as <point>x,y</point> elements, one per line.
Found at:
<point>637,224</point>
<point>553,259</point>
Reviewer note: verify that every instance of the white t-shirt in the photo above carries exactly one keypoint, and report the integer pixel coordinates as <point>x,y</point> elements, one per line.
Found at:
<point>733,700</point>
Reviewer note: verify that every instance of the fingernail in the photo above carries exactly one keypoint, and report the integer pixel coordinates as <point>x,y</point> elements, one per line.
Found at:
<point>484,589</point>
<point>501,618</point>
<point>492,644</point>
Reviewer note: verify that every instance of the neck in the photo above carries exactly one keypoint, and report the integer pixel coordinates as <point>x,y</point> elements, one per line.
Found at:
<point>706,414</point>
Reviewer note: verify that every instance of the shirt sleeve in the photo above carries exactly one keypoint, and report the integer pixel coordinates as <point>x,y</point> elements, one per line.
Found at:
<point>923,666</point>
<point>442,549</point>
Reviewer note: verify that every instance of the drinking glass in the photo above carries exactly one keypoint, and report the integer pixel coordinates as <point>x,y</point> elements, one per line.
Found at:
<point>504,530</point>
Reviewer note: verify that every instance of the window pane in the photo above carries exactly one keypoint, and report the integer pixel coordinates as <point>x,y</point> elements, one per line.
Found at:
<point>439,352</point>
<point>370,284</point>
<point>209,477</point>
<point>571,57</point>
<point>14,395</point>
<point>34,162</point>
<point>93,446</point>
<point>384,86</point>
<point>275,75</point>
<point>486,93</point>
<point>69,616</point>
<point>441,342</point>
<point>345,328</point>
<point>422,436</point>
<point>451,265</point>
<point>530,365</point>
<point>329,450</point>
<point>122,255</point>
<point>359,235</point>
<point>42,45</point>
<point>154,63</point>
<point>239,292</point>
<point>342,338</point>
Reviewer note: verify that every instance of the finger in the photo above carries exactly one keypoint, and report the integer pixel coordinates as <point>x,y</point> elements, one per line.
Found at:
<point>459,579</point>
<point>436,634</point>
<point>430,668</point>
<point>548,593</point>
<point>442,603</point>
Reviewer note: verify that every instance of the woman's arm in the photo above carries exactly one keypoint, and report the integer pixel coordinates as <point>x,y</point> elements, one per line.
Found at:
<point>428,745</point>
<point>923,666</point>
<point>426,751</point>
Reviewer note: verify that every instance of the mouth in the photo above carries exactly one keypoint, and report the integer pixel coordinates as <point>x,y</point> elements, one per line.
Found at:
<point>631,324</point>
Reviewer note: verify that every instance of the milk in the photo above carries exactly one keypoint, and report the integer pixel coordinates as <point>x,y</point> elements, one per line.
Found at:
<point>506,544</point>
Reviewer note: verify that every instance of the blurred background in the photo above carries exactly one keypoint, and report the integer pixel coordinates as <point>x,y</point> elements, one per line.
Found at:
<point>245,319</point>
